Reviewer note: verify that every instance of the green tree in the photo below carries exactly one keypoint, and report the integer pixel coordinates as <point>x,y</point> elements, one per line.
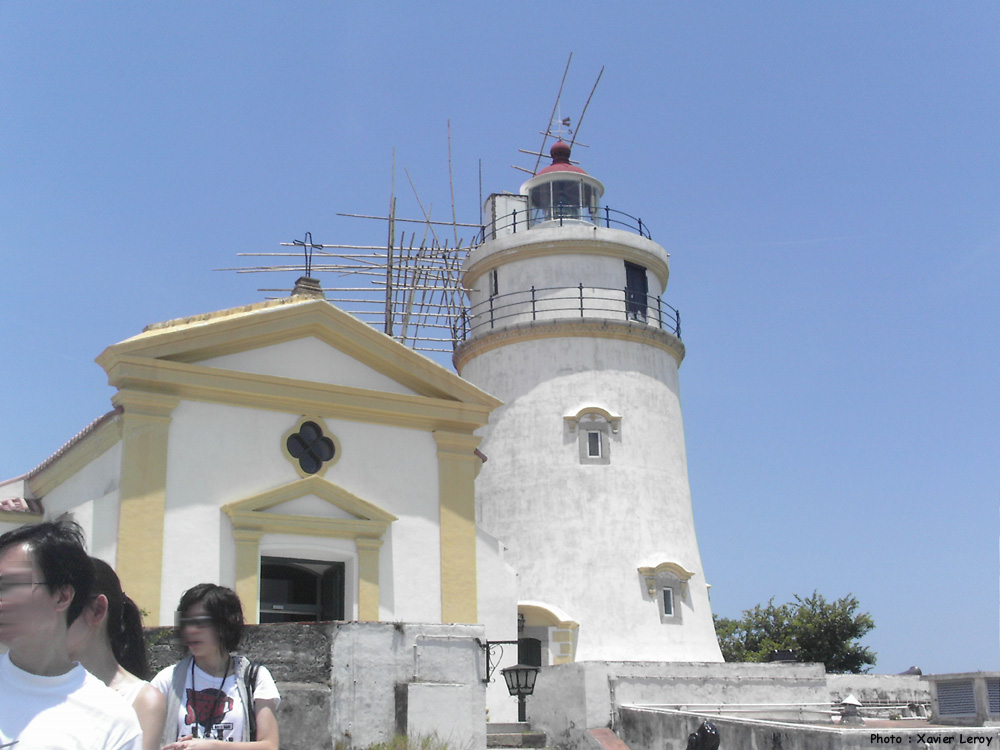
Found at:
<point>815,629</point>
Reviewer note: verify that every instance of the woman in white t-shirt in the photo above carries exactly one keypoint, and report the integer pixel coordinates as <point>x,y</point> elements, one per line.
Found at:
<point>215,698</point>
<point>107,640</point>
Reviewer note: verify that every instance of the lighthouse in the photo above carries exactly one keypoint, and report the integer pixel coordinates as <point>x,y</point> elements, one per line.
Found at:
<point>586,477</point>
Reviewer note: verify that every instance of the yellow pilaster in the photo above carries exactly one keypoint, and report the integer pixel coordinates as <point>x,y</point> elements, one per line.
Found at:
<point>457,468</point>
<point>248,572</point>
<point>368,550</point>
<point>143,494</point>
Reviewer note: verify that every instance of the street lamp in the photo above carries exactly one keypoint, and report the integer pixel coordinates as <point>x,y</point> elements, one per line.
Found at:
<point>520,681</point>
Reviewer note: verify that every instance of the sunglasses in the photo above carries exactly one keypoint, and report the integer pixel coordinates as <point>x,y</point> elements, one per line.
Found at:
<point>7,588</point>
<point>200,621</point>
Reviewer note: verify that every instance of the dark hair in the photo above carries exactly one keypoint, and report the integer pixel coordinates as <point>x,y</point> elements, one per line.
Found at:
<point>58,551</point>
<point>223,605</point>
<point>124,621</point>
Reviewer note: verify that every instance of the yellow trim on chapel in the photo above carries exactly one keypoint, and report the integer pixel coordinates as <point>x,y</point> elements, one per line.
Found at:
<point>327,433</point>
<point>289,395</point>
<point>264,324</point>
<point>157,369</point>
<point>367,529</point>
<point>457,468</point>
<point>143,495</point>
<point>20,517</point>
<point>89,448</point>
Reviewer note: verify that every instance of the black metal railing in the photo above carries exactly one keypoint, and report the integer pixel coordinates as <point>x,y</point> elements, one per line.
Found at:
<point>551,303</point>
<point>521,220</point>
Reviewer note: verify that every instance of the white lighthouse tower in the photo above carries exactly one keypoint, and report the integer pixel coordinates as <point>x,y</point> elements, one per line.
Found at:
<point>586,479</point>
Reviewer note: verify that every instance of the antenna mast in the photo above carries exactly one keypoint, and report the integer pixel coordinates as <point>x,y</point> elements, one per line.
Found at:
<point>413,292</point>
<point>555,108</point>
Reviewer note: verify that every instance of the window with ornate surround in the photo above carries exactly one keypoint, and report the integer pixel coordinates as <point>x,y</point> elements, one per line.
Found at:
<point>667,585</point>
<point>310,447</point>
<point>594,428</point>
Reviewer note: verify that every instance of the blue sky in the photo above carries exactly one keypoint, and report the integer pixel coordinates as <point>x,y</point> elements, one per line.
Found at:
<point>826,177</point>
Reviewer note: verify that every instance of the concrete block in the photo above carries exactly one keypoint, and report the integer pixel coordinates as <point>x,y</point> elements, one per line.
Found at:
<point>304,716</point>
<point>454,714</point>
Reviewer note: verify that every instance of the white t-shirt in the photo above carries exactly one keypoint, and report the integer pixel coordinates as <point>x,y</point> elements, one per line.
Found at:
<point>72,711</point>
<point>204,704</point>
<point>129,691</point>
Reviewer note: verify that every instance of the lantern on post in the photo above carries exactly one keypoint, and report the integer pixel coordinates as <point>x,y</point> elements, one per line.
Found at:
<point>520,681</point>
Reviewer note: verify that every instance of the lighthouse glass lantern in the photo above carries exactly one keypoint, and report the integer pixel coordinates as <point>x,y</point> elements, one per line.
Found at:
<point>562,191</point>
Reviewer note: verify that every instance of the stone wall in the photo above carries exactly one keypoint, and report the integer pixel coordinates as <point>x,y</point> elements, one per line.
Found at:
<point>881,690</point>
<point>647,729</point>
<point>355,684</point>
<point>569,699</point>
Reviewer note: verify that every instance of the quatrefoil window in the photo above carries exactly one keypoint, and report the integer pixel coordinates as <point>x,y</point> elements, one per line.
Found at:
<point>310,448</point>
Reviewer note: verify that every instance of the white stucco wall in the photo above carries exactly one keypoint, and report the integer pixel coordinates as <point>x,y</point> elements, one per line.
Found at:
<point>578,533</point>
<point>600,271</point>
<point>221,454</point>
<point>497,588</point>
<point>92,496</point>
<point>308,359</point>
<point>612,243</point>
<point>431,674</point>
<point>6,526</point>
<point>12,488</point>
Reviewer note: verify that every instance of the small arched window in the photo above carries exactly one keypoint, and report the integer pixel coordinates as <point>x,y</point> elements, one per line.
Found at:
<point>667,585</point>
<point>595,427</point>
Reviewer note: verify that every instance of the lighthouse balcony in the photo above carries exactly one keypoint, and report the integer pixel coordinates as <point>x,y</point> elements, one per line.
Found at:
<point>525,218</point>
<point>590,303</point>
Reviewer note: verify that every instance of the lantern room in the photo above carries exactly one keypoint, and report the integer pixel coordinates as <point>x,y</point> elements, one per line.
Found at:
<point>562,191</point>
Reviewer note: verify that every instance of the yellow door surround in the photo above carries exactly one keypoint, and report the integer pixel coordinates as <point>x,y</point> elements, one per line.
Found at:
<point>251,522</point>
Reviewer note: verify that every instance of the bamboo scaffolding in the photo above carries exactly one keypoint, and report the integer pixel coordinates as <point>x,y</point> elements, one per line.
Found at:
<point>410,288</point>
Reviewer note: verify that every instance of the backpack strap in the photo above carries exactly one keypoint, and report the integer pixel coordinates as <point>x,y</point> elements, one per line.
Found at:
<point>249,683</point>
<point>175,699</point>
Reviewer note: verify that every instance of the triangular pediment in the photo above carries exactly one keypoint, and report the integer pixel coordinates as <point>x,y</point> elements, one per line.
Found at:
<point>212,340</point>
<point>298,508</point>
<point>310,359</point>
<point>309,505</point>
<point>314,488</point>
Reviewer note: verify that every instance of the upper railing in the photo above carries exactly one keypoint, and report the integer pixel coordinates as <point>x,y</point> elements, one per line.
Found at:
<point>524,219</point>
<point>551,303</point>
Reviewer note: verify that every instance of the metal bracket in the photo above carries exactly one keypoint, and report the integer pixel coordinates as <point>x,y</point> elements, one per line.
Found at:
<point>494,653</point>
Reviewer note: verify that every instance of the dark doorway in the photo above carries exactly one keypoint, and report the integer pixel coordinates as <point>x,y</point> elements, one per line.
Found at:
<point>636,292</point>
<point>529,652</point>
<point>301,590</point>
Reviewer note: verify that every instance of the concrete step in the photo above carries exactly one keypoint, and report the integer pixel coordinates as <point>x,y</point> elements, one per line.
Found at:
<point>500,727</point>
<point>521,739</point>
<point>525,738</point>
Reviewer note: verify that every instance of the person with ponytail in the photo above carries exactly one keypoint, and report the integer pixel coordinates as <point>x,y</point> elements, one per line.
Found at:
<point>107,640</point>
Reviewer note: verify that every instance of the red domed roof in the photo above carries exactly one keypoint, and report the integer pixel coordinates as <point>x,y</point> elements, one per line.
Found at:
<point>560,160</point>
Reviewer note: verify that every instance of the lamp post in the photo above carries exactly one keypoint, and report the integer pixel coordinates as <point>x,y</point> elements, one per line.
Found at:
<point>520,681</point>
